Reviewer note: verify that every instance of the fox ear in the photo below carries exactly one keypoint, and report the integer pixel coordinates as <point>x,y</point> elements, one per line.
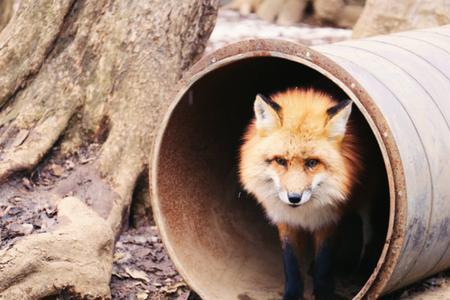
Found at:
<point>338,116</point>
<point>266,113</point>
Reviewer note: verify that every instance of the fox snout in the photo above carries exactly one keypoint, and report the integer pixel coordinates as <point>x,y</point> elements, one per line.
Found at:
<point>293,187</point>
<point>295,198</point>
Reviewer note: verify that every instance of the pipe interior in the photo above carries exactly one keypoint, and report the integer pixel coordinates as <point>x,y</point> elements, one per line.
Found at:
<point>219,237</point>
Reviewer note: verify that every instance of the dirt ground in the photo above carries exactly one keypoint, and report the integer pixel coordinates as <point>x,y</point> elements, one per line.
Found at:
<point>142,269</point>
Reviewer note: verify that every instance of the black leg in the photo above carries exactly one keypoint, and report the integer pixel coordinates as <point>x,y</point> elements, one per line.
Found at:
<point>323,272</point>
<point>293,286</point>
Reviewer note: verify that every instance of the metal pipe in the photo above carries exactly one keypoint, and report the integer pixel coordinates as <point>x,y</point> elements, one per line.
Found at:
<point>220,241</point>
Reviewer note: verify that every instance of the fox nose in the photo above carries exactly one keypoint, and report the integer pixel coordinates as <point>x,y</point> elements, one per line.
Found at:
<point>294,198</point>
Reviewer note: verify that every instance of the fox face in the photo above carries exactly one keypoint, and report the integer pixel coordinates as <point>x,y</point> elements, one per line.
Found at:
<point>298,157</point>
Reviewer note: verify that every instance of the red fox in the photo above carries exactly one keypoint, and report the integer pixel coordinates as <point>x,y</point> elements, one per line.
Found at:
<point>300,159</point>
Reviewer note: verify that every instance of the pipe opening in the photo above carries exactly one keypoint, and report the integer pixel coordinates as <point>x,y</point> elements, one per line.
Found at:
<point>218,236</point>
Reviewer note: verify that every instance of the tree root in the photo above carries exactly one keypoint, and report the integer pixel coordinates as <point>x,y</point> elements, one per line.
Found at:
<point>84,266</point>
<point>24,148</point>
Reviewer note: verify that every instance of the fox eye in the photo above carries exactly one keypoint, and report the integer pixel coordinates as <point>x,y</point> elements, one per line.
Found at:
<point>281,161</point>
<point>311,163</point>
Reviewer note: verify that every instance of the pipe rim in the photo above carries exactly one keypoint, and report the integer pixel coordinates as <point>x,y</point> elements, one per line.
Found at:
<point>313,59</point>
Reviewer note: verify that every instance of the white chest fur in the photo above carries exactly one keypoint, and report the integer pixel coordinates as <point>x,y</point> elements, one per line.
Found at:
<point>310,216</point>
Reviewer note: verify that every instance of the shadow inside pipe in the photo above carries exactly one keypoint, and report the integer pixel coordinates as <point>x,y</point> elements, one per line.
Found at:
<point>220,239</point>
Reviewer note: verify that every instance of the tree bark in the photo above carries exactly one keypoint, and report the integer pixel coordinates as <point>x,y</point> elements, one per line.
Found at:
<point>85,82</point>
<point>386,16</point>
<point>6,11</point>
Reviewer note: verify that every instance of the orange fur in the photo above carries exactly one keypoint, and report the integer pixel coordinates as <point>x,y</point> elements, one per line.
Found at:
<point>302,160</point>
<point>300,131</point>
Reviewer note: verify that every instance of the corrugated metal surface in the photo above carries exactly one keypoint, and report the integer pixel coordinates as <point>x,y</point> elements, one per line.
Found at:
<point>401,85</point>
<point>408,76</point>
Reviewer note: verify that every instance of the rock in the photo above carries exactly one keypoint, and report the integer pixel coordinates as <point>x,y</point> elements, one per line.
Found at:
<point>343,13</point>
<point>328,10</point>
<point>386,16</point>
<point>349,15</point>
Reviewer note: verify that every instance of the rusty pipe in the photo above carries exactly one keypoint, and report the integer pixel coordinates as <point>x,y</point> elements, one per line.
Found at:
<point>221,242</point>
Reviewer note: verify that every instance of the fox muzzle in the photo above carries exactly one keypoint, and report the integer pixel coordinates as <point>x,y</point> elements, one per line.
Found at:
<point>299,199</point>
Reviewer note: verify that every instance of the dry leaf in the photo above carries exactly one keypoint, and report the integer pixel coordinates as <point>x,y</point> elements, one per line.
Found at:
<point>173,288</point>
<point>117,274</point>
<point>118,256</point>
<point>142,295</point>
<point>137,274</point>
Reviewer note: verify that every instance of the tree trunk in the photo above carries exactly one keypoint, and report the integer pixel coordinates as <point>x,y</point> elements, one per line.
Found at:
<point>386,16</point>
<point>6,12</point>
<point>82,84</point>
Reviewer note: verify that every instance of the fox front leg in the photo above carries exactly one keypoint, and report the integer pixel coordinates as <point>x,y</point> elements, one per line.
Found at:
<point>291,242</point>
<point>293,285</point>
<point>323,276</point>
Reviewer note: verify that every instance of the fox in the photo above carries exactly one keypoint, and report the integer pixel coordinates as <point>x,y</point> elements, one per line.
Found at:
<point>301,159</point>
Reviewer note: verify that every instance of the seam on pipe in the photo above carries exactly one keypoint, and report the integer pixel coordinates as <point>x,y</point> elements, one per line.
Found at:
<point>437,33</point>
<point>422,58</point>
<point>424,41</point>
